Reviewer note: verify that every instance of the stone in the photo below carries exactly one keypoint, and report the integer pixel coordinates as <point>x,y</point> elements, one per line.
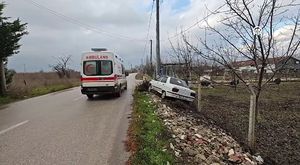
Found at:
<point>230,152</point>
<point>198,136</point>
<point>182,137</point>
<point>213,159</point>
<point>197,141</point>
<point>190,151</point>
<point>172,146</point>
<point>177,140</point>
<point>200,157</point>
<point>235,158</point>
<point>259,159</point>
<point>248,161</point>
<point>200,141</point>
<point>226,150</point>
<point>182,119</point>
<point>215,164</point>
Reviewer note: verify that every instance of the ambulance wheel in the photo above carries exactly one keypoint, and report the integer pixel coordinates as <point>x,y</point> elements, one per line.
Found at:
<point>118,94</point>
<point>90,96</point>
<point>125,88</point>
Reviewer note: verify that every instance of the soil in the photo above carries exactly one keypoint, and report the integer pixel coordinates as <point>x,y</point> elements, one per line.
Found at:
<point>277,130</point>
<point>278,127</point>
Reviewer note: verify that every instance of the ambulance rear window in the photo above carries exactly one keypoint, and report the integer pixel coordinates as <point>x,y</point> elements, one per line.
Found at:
<point>106,68</point>
<point>97,68</point>
<point>90,68</point>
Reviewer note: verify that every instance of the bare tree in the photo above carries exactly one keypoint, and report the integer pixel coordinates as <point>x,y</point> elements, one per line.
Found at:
<point>147,67</point>
<point>247,32</point>
<point>184,55</point>
<point>61,67</point>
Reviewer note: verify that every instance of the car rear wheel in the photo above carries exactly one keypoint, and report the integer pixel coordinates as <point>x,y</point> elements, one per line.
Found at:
<point>163,95</point>
<point>150,88</point>
<point>90,96</point>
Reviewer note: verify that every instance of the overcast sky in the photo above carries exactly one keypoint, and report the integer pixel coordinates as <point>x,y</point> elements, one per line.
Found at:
<point>69,27</point>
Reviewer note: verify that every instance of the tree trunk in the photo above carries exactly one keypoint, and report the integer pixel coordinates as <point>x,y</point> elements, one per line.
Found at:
<point>251,129</point>
<point>2,78</point>
<point>199,96</point>
<point>252,118</point>
<point>257,115</point>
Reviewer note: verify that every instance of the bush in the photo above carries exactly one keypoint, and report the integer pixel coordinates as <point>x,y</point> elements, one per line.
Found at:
<point>9,74</point>
<point>144,86</point>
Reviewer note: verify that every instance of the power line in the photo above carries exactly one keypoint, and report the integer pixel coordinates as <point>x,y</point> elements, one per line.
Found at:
<point>195,24</point>
<point>149,26</point>
<point>81,24</point>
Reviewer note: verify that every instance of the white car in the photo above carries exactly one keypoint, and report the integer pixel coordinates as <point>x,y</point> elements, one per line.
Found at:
<point>172,87</point>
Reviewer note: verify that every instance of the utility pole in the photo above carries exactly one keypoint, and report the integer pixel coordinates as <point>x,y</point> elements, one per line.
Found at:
<point>158,62</point>
<point>24,68</point>
<point>151,56</point>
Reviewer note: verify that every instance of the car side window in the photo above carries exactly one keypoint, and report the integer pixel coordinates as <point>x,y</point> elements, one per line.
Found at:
<point>164,79</point>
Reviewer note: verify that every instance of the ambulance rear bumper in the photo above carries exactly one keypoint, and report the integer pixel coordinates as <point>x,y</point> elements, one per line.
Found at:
<point>99,90</point>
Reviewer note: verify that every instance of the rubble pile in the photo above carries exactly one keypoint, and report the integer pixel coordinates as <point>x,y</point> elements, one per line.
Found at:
<point>198,141</point>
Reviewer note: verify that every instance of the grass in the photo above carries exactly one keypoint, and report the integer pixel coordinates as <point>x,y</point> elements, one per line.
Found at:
<point>37,91</point>
<point>6,100</point>
<point>282,92</point>
<point>49,89</point>
<point>26,85</point>
<point>148,136</point>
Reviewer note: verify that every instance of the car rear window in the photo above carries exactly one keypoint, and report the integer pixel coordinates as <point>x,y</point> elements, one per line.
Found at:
<point>179,82</point>
<point>164,79</point>
<point>97,68</point>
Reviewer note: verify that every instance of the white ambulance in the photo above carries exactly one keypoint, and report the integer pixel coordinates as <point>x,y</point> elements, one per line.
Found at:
<point>102,72</point>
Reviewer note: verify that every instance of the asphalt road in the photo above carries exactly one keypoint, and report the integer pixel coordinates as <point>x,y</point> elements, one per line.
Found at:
<point>65,128</point>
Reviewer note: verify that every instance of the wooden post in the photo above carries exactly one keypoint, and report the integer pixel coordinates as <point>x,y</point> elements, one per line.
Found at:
<point>199,97</point>
<point>251,130</point>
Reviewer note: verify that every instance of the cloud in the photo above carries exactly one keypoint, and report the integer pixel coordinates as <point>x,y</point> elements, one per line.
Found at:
<point>72,27</point>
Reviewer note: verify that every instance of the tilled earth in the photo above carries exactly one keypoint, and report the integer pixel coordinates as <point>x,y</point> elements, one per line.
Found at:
<point>197,140</point>
<point>278,129</point>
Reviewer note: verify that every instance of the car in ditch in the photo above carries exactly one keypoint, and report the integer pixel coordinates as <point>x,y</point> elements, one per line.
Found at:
<point>172,87</point>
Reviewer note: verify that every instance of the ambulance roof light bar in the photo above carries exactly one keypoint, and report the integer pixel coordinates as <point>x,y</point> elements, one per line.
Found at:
<point>99,49</point>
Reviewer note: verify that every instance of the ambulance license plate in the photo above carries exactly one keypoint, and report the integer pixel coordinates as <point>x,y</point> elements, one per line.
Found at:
<point>91,89</point>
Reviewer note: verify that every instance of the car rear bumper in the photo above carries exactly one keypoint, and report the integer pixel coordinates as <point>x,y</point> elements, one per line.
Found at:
<point>99,90</point>
<point>178,96</point>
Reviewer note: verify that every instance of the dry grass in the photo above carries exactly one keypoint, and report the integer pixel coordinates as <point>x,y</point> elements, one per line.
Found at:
<point>26,84</point>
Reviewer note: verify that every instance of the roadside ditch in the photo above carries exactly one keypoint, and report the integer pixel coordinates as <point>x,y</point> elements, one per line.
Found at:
<point>171,132</point>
